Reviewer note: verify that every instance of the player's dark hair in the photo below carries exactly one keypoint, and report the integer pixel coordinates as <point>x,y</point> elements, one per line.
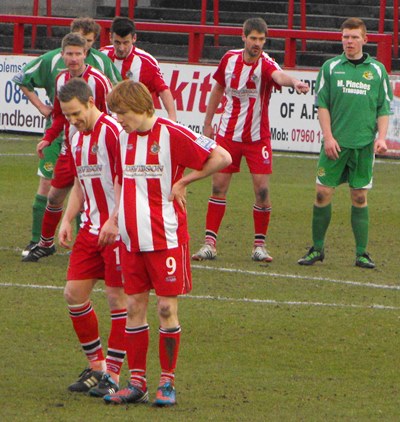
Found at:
<point>129,95</point>
<point>75,88</point>
<point>123,26</point>
<point>75,39</point>
<point>354,23</point>
<point>255,24</point>
<point>86,25</point>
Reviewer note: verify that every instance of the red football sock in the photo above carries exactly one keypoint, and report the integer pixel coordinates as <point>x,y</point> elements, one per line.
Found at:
<point>137,344</point>
<point>84,321</point>
<point>215,214</point>
<point>169,341</point>
<point>116,343</point>
<point>51,218</point>
<point>261,217</point>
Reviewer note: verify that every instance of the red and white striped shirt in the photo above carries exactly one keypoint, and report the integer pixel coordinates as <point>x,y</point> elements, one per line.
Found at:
<point>248,89</point>
<point>94,155</point>
<point>139,66</point>
<point>100,85</point>
<point>148,166</point>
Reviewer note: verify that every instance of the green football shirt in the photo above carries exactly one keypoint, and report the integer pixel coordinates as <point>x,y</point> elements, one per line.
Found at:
<point>355,95</point>
<point>42,71</point>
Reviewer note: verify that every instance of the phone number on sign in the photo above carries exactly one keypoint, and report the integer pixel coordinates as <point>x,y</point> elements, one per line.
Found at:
<point>306,135</point>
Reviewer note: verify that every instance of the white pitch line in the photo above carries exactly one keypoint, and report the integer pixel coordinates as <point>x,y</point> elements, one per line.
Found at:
<point>22,154</point>
<point>231,299</point>
<point>299,277</point>
<point>267,274</point>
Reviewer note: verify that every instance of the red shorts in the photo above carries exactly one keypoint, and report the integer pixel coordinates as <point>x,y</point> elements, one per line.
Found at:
<point>166,271</point>
<point>90,261</point>
<point>63,174</point>
<point>258,155</point>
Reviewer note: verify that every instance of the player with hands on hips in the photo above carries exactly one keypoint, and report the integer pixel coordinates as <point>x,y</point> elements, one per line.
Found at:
<point>151,208</point>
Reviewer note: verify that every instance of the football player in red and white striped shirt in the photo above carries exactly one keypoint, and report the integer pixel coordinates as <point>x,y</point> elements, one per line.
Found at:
<point>246,77</point>
<point>73,53</point>
<point>94,152</point>
<point>136,64</point>
<point>152,222</point>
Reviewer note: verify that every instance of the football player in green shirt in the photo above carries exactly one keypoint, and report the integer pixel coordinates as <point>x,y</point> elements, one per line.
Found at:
<point>353,99</point>
<point>41,73</point>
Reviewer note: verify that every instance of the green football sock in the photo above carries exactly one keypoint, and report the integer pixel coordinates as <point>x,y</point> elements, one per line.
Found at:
<point>360,226</point>
<point>320,223</point>
<point>38,209</point>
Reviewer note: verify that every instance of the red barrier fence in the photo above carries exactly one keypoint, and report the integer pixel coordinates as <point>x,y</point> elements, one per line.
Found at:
<point>196,32</point>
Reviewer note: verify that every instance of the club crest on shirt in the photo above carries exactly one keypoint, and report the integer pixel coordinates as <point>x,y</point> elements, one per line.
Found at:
<point>94,149</point>
<point>155,148</point>
<point>48,166</point>
<point>129,74</point>
<point>320,172</point>
<point>368,75</point>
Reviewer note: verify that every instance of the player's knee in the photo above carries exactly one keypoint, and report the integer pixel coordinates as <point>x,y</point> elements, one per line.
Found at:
<point>116,298</point>
<point>359,199</point>
<point>57,196</point>
<point>73,297</point>
<point>165,310</point>
<point>263,196</point>
<point>321,198</point>
<point>136,309</point>
<point>218,191</point>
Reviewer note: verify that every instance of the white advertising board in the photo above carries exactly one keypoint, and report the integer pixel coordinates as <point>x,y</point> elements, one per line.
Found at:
<point>294,124</point>
<point>293,117</point>
<point>16,112</point>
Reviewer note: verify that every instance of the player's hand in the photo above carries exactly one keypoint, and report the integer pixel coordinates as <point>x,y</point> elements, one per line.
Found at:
<point>41,146</point>
<point>46,110</point>
<point>332,148</point>
<point>380,146</point>
<point>109,232</point>
<point>178,194</point>
<point>65,234</point>
<point>301,87</point>
<point>208,131</point>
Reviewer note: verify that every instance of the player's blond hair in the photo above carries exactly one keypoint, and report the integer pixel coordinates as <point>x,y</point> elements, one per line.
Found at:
<point>129,95</point>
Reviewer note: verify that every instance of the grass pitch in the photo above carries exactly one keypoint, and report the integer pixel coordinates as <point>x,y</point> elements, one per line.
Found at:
<point>260,342</point>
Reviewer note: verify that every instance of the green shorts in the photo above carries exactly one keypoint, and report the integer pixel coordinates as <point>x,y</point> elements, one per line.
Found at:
<point>354,166</point>
<point>51,153</point>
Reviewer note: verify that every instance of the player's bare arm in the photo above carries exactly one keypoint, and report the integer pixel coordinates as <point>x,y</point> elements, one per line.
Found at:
<point>219,159</point>
<point>380,145</point>
<point>109,231</point>
<point>40,147</point>
<point>168,101</point>
<point>215,99</point>
<point>283,79</point>
<point>331,145</point>
<point>75,203</point>
<point>43,109</point>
